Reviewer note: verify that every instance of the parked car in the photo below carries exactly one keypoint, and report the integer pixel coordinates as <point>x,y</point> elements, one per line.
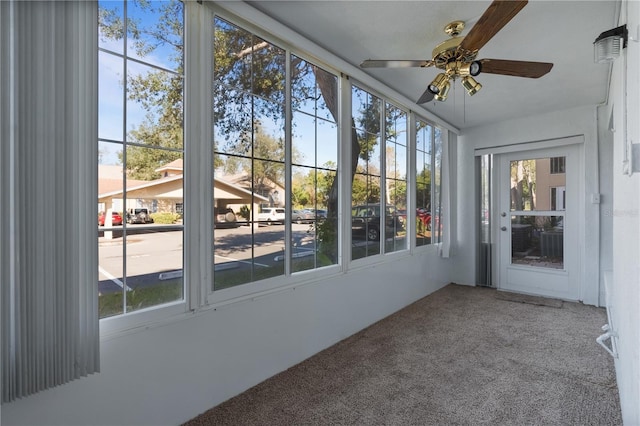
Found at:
<point>270,215</point>
<point>116,218</point>
<point>318,213</point>
<point>402,215</point>
<point>302,216</point>
<point>424,216</point>
<point>138,216</point>
<point>224,218</point>
<point>365,221</point>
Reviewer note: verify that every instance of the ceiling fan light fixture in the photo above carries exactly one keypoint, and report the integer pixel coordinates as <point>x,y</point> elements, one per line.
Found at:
<point>438,83</point>
<point>443,92</point>
<point>471,85</point>
<point>469,68</point>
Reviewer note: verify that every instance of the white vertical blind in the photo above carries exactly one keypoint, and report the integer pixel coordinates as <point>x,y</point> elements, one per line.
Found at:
<point>48,166</point>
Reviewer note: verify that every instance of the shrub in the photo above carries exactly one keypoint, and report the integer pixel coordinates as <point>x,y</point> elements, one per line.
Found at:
<point>165,218</point>
<point>245,213</point>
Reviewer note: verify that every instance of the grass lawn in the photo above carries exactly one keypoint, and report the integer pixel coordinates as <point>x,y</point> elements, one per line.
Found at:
<point>168,291</point>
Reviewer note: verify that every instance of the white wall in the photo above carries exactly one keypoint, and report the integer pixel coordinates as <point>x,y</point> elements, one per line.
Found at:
<point>553,125</point>
<point>624,291</point>
<point>171,373</point>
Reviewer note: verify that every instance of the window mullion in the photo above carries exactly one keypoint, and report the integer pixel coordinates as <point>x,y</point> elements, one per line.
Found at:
<point>198,154</point>
<point>287,166</point>
<point>410,222</point>
<point>434,178</point>
<point>345,172</point>
<point>383,175</point>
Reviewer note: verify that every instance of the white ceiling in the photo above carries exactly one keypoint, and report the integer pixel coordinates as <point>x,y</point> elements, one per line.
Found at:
<point>561,32</point>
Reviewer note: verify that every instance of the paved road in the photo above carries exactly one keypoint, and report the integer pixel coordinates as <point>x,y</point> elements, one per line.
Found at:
<point>157,256</point>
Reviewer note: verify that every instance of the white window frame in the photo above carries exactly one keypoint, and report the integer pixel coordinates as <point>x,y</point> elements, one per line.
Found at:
<point>286,281</point>
<point>157,314</point>
<point>198,171</point>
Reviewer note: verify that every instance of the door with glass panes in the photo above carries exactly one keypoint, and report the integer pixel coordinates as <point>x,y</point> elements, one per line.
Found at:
<point>539,240</point>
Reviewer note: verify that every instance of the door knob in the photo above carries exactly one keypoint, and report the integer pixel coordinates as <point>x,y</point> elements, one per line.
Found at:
<point>503,228</point>
<point>503,214</point>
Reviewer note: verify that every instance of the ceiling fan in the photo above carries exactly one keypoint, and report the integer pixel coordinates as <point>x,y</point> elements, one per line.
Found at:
<point>457,55</point>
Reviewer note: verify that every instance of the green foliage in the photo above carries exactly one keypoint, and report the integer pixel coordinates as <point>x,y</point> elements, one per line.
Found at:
<point>327,234</point>
<point>365,189</point>
<point>245,65</point>
<point>312,188</point>
<point>302,191</point>
<point>310,262</point>
<point>397,193</point>
<point>245,212</point>
<point>165,218</point>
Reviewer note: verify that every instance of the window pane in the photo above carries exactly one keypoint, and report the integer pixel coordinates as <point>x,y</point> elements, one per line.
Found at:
<point>268,71</point>
<point>110,97</point>
<point>304,139</point>
<point>314,145</point>
<point>155,32</point>
<point>140,182</point>
<point>111,25</point>
<point>110,274</point>
<point>233,117</point>
<point>304,90</point>
<point>395,212</point>
<point>249,152</point>
<point>232,58</point>
<point>314,90</point>
<point>537,241</point>
<point>154,106</point>
<point>110,154</point>
<point>268,133</point>
<point>424,148</point>
<point>154,267</point>
<point>436,210</point>
<point>534,185</point>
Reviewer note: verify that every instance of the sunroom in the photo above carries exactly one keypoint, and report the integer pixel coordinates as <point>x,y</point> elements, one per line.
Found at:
<point>517,173</point>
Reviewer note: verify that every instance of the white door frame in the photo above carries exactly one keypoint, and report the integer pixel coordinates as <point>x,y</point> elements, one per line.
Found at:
<point>578,141</point>
<point>537,280</point>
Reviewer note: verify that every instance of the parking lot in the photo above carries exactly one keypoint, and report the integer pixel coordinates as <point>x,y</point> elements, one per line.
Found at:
<point>241,254</point>
<point>155,254</point>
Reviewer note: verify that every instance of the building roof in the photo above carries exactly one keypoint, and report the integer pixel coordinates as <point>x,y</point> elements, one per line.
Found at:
<point>170,187</point>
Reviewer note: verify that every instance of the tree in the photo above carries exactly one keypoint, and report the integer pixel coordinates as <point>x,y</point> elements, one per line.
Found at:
<point>523,177</point>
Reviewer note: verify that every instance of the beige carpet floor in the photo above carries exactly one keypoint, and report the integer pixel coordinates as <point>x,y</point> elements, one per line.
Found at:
<point>460,356</point>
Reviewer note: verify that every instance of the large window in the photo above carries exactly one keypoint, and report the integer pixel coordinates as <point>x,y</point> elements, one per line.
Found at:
<point>140,153</point>
<point>314,158</point>
<point>395,189</point>
<point>378,226</point>
<point>424,173</point>
<point>273,156</point>
<point>428,188</point>
<point>275,199</point>
<point>249,157</point>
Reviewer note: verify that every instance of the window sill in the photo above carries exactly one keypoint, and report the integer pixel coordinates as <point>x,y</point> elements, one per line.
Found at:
<point>143,319</point>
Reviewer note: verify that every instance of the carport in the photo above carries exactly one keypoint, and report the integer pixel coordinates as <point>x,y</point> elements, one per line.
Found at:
<point>168,191</point>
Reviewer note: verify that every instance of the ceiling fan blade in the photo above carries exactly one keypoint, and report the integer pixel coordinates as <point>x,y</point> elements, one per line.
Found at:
<point>427,96</point>
<point>383,63</point>
<point>497,15</point>
<point>515,68</point>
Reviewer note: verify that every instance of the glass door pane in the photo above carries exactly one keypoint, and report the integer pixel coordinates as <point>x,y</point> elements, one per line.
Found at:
<point>537,200</point>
